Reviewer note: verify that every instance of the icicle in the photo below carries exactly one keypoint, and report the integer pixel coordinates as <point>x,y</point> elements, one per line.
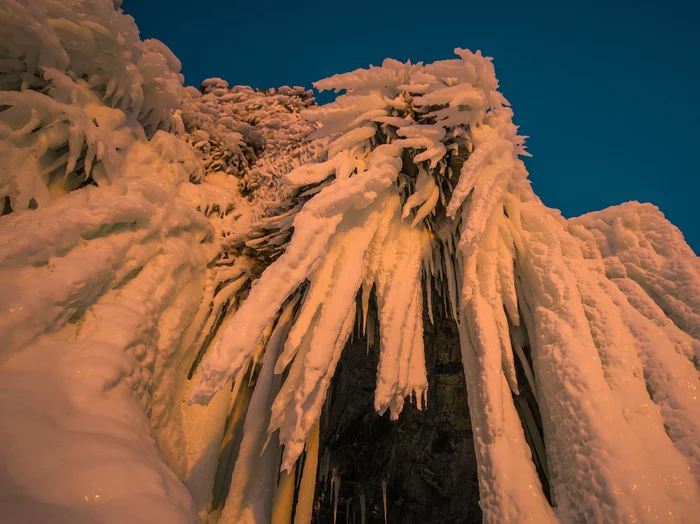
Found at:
<point>366,289</point>
<point>384,499</point>
<point>347,511</point>
<point>445,293</point>
<point>233,434</point>
<point>489,287</point>
<point>425,184</point>
<point>508,361</point>
<point>305,501</point>
<point>534,433</point>
<point>363,507</point>
<point>324,466</point>
<point>397,279</point>
<point>255,355</point>
<point>203,430</point>
<point>452,288</point>
<point>256,467</point>
<point>508,482</point>
<point>283,503</point>
<point>294,422</point>
<point>506,271</point>
<point>517,345</point>
<point>428,272</point>
<point>429,297</point>
<point>487,194</point>
<point>415,380</point>
<point>374,254</point>
<point>335,486</point>
<point>427,207</point>
<point>458,262</point>
<point>409,345</point>
<point>471,169</point>
<point>483,331</point>
<point>316,293</point>
<point>441,195</point>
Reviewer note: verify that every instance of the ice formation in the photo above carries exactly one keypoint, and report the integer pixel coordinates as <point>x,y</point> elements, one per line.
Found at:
<point>181,270</point>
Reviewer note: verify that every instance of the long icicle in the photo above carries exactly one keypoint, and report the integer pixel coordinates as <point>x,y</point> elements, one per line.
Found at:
<point>283,502</point>
<point>384,498</point>
<point>305,502</point>
<point>363,506</point>
<point>335,481</point>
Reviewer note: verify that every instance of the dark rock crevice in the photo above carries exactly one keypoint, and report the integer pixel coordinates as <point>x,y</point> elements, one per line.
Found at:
<point>426,458</point>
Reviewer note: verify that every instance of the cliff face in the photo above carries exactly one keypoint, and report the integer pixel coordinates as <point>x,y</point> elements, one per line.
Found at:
<point>426,458</point>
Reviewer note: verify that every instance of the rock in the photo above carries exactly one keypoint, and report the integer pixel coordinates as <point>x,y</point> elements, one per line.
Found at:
<point>426,457</point>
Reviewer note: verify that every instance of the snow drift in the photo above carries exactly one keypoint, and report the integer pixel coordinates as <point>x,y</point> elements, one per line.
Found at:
<point>181,270</point>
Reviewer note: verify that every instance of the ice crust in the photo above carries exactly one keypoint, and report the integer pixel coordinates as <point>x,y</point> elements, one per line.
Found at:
<point>181,268</point>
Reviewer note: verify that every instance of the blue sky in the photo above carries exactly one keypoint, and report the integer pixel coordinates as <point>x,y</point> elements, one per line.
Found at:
<point>606,91</point>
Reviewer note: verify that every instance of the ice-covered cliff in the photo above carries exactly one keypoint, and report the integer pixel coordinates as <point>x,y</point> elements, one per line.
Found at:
<point>181,270</point>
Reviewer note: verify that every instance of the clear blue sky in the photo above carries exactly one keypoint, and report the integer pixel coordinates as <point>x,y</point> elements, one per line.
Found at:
<point>606,91</point>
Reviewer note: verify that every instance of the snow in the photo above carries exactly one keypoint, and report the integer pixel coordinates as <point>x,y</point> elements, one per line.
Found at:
<point>647,479</point>
<point>181,269</point>
<point>85,452</point>
<point>255,473</point>
<point>314,226</point>
<point>108,269</point>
